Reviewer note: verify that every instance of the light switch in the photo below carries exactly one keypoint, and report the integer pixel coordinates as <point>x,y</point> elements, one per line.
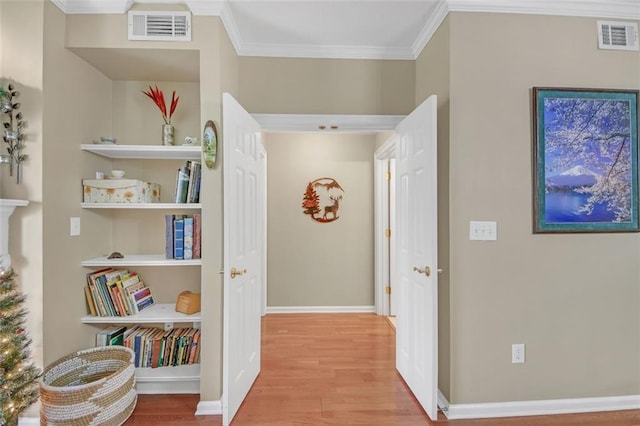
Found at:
<point>75,226</point>
<point>487,231</point>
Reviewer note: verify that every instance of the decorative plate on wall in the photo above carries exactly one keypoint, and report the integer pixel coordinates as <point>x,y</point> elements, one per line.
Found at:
<point>210,143</point>
<point>321,200</point>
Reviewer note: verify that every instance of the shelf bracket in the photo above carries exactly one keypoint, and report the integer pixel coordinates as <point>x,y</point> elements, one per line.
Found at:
<point>168,326</point>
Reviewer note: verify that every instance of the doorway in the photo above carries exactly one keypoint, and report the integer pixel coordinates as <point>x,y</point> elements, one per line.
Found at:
<point>416,245</point>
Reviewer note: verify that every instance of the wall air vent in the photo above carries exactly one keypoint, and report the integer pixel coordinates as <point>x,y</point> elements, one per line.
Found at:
<point>161,26</point>
<point>618,35</point>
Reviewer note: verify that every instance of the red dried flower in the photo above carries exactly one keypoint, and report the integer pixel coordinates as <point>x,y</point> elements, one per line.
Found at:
<point>157,97</point>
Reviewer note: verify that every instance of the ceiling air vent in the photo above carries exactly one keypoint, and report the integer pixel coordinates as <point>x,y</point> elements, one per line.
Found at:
<point>164,26</point>
<point>618,35</point>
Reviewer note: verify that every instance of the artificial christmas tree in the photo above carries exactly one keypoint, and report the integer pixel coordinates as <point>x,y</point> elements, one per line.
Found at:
<point>18,376</point>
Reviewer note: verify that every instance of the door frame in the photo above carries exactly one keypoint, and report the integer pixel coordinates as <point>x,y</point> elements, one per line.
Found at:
<point>384,218</point>
<point>283,123</point>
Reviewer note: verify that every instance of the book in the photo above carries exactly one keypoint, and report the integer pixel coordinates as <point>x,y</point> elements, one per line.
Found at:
<point>194,176</point>
<point>188,237</point>
<point>111,336</point>
<point>90,302</point>
<point>182,184</point>
<point>196,236</point>
<point>178,238</point>
<point>168,236</point>
<point>145,302</point>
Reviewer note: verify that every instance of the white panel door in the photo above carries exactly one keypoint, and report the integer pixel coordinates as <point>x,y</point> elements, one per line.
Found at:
<point>416,267</point>
<point>243,255</point>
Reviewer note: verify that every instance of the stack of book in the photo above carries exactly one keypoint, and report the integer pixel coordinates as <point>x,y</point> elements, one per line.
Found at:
<point>182,236</point>
<point>116,293</point>
<point>155,347</point>
<point>188,182</point>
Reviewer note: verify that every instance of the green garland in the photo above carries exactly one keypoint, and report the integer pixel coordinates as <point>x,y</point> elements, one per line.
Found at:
<point>18,382</point>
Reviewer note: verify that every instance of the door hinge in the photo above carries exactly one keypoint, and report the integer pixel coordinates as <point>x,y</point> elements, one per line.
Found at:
<point>387,233</point>
<point>387,290</point>
<point>387,175</point>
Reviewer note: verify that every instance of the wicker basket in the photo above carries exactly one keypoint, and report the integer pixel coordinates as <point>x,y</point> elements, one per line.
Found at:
<point>92,387</point>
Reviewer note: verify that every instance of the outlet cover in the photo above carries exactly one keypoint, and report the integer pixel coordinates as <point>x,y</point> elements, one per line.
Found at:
<point>517,353</point>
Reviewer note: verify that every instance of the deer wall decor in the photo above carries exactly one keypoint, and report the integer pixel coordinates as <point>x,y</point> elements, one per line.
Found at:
<point>332,208</point>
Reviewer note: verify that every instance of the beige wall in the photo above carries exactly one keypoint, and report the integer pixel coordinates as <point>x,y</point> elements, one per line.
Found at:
<point>311,263</point>
<point>573,299</point>
<point>21,33</point>
<point>432,78</point>
<point>326,86</point>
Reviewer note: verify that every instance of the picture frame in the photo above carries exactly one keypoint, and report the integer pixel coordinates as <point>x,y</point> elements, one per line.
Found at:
<point>585,160</point>
<point>210,143</point>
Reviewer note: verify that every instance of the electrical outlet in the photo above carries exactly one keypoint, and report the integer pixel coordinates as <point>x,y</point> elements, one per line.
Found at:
<point>517,353</point>
<point>74,226</point>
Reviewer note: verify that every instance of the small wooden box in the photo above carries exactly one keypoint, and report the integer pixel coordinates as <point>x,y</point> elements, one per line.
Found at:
<point>188,303</point>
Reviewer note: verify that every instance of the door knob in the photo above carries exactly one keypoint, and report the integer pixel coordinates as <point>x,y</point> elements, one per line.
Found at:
<point>426,270</point>
<point>237,272</point>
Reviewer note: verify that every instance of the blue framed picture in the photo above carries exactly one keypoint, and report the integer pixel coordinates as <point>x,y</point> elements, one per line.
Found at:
<point>585,153</point>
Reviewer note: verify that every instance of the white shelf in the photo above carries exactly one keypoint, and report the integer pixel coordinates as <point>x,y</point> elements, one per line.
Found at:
<point>158,313</point>
<point>140,260</point>
<point>178,379</point>
<point>149,152</point>
<point>143,206</point>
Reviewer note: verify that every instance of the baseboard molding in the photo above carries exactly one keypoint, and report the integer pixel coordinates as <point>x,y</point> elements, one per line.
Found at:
<point>28,421</point>
<point>206,408</point>
<point>319,309</point>
<point>537,408</point>
<point>443,403</point>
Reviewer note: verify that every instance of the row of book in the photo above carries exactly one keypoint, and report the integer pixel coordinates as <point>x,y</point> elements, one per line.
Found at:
<point>182,236</point>
<point>116,293</point>
<point>188,182</point>
<point>155,347</point>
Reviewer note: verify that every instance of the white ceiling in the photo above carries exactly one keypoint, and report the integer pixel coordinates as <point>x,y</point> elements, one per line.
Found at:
<point>364,29</point>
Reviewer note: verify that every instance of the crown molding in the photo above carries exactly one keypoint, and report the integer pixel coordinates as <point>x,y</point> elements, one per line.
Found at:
<point>72,7</point>
<point>617,9</point>
<point>430,28</point>
<point>622,9</point>
<point>325,51</point>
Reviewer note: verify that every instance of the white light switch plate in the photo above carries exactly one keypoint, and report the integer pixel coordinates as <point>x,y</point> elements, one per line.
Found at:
<point>74,226</point>
<point>487,231</point>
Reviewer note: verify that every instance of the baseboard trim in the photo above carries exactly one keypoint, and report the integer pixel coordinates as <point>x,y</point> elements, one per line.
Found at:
<point>443,402</point>
<point>206,408</point>
<point>28,421</point>
<point>537,408</point>
<point>319,309</point>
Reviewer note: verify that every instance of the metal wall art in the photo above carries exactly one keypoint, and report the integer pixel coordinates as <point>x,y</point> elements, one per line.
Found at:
<point>321,200</point>
<point>13,135</point>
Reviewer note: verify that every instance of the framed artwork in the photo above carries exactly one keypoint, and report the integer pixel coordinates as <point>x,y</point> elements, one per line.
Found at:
<point>210,143</point>
<point>585,154</point>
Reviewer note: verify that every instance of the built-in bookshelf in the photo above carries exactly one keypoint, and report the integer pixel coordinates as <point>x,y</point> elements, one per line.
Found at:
<point>169,379</point>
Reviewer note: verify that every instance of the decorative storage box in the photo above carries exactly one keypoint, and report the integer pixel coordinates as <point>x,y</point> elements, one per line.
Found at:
<point>120,191</point>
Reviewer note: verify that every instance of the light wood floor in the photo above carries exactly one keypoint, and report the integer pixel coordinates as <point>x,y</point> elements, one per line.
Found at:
<point>328,369</point>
